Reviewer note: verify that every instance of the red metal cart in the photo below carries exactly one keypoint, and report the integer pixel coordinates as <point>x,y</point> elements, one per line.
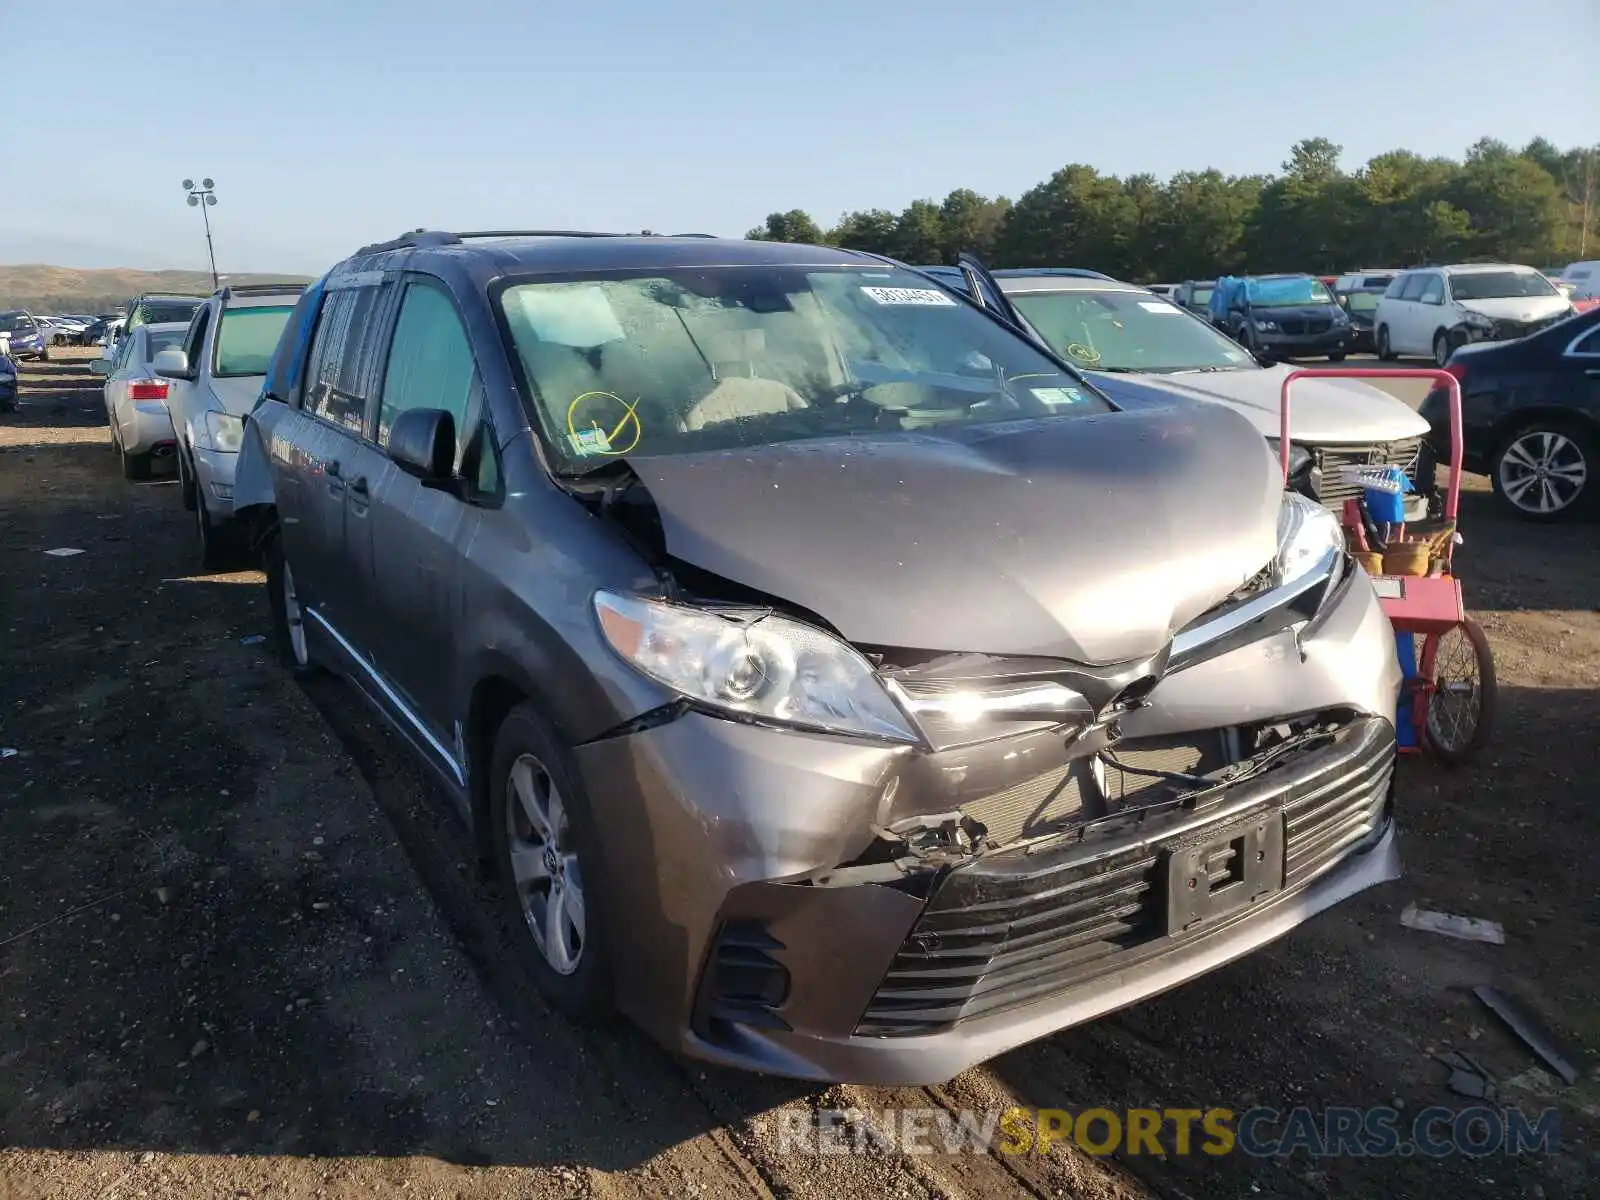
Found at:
<point>1448,700</point>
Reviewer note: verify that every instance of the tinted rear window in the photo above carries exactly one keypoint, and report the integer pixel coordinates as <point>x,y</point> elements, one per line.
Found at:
<point>160,312</point>
<point>167,340</point>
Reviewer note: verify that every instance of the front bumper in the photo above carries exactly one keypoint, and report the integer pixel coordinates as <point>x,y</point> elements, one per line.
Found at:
<point>213,471</point>
<point>1306,345</point>
<point>735,940</point>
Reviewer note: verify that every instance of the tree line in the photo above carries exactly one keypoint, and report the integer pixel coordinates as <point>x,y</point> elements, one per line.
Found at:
<point>1537,205</point>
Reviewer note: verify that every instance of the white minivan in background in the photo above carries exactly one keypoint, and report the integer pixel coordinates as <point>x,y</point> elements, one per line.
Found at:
<point>1431,311</point>
<point>1585,279</point>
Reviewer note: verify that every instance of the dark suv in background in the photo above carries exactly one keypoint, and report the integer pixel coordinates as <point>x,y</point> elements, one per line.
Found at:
<point>725,586</point>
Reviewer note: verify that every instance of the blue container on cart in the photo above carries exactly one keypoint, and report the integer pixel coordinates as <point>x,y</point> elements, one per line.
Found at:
<point>1383,505</point>
<point>1405,733</point>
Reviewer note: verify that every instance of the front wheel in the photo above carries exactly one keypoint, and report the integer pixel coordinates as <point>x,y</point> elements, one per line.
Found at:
<point>1385,350</point>
<point>1337,356</point>
<point>1461,695</point>
<point>219,540</point>
<point>1441,349</point>
<point>44,354</point>
<point>544,852</point>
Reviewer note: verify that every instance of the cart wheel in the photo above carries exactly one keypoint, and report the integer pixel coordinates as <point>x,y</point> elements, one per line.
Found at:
<point>1461,703</point>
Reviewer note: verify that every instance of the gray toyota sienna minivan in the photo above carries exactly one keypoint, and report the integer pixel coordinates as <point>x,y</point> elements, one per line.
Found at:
<point>840,685</point>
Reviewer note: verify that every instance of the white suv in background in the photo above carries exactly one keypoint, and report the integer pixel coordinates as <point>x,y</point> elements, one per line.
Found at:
<point>1430,311</point>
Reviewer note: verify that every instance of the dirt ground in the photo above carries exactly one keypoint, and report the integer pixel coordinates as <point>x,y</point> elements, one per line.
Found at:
<point>242,953</point>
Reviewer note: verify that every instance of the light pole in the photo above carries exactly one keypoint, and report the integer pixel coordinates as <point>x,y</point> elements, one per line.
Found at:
<point>204,197</point>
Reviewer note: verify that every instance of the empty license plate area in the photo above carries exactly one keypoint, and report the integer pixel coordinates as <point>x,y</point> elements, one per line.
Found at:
<point>1224,871</point>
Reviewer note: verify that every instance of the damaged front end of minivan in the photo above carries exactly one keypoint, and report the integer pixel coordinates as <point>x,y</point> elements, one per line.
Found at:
<point>922,798</point>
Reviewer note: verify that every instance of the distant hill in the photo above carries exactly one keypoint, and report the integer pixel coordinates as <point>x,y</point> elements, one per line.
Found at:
<point>46,289</point>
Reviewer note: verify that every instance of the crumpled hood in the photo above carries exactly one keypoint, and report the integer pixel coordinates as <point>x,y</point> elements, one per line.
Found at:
<point>1085,538</point>
<point>1518,308</point>
<point>1322,411</point>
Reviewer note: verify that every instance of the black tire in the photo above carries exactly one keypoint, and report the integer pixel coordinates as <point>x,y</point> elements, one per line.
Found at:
<point>1337,356</point>
<point>1381,344</point>
<point>1441,348</point>
<point>301,666</point>
<point>186,484</point>
<point>134,466</point>
<point>1569,445</point>
<point>1467,738</point>
<point>584,994</point>
<point>44,354</point>
<point>221,545</point>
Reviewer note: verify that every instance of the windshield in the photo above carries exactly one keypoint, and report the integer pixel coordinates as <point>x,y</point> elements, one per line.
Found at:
<point>247,338</point>
<point>1277,293</point>
<point>1362,302</point>
<point>724,357</point>
<point>1114,330</point>
<point>1495,285</point>
<point>16,322</point>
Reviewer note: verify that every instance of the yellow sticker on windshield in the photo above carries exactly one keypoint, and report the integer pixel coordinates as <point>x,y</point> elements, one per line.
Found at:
<point>607,424</point>
<point>1078,352</point>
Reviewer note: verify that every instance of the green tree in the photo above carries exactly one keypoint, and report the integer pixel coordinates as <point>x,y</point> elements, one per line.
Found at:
<point>919,233</point>
<point>1514,204</point>
<point>795,225</point>
<point>1201,222</point>
<point>970,223</point>
<point>872,230</point>
<point>1077,217</point>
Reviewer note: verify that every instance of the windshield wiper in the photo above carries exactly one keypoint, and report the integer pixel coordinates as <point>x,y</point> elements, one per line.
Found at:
<point>1115,370</point>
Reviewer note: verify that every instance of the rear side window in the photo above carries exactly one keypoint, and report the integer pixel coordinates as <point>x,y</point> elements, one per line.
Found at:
<point>430,361</point>
<point>1589,344</point>
<point>335,379</point>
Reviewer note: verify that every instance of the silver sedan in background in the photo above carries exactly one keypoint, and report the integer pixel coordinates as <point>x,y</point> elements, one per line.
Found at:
<point>136,399</point>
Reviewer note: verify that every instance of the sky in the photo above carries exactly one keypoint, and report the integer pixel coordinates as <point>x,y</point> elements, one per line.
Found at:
<point>327,124</point>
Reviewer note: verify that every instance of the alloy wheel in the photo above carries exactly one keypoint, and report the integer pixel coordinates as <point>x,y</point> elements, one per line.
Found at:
<point>544,864</point>
<point>1542,472</point>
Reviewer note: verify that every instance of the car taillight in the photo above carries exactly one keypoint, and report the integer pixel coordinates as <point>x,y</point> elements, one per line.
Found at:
<point>147,389</point>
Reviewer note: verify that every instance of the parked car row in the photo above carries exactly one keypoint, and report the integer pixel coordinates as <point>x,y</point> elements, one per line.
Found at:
<point>180,389</point>
<point>1117,332</point>
<point>1029,672</point>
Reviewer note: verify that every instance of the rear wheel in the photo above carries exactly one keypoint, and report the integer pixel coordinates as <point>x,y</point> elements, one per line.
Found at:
<point>1462,701</point>
<point>288,619</point>
<point>1337,356</point>
<point>1385,350</point>
<point>1541,471</point>
<point>134,466</point>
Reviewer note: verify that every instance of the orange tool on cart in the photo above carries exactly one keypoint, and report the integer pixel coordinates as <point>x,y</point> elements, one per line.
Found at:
<point>1448,700</point>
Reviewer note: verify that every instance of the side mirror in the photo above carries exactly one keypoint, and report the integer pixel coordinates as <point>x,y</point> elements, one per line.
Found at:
<point>171,364</point>
<point>100,366</point>
<point>422,442</point>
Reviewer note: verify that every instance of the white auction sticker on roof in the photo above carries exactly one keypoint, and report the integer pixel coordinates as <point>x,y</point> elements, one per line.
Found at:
<point>1158,306</point>
<point>889,295</point>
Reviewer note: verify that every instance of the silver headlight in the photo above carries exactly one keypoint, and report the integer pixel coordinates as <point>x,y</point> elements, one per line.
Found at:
<point>1306,532</point>
<point>1477,320</point>
<point>753,664</point>
<point>221,431</point>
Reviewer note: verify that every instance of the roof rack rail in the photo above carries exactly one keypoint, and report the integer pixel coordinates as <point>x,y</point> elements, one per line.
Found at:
<point>1078,272</point>
<point>229,290</point>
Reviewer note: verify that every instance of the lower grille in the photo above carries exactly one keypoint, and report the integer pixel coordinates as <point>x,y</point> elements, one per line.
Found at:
<point>1005,931</point>
<point>1333,488</point>
<point>1310,325</point>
